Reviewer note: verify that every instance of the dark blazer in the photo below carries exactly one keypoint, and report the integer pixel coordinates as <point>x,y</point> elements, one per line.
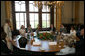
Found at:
<point>54,29</point>
<point>63,30</point>
<point>80,46</point>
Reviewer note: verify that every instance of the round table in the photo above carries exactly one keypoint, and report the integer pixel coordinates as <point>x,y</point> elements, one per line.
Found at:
<point>44,44</point>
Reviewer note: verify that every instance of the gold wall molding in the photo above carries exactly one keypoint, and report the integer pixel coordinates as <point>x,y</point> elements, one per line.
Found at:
<point>9,12</point>
<point>58,18</point>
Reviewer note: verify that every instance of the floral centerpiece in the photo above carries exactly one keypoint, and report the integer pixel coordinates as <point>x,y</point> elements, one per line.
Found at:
<point>45,36</point>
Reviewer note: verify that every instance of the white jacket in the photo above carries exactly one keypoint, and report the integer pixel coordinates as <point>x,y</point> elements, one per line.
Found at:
<point>66,50</point>
<point>9,36</point>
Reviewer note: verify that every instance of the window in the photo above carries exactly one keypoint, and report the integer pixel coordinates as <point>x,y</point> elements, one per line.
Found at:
<point>33,19</point>
<point>45,17</point>
<point>20,14</point>
<point>25,13</point>
<point>45,20</point>
<point>33,15</point>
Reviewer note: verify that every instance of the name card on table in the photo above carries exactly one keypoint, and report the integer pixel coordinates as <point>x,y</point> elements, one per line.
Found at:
<point>36,43</point>
<point>52,43</point>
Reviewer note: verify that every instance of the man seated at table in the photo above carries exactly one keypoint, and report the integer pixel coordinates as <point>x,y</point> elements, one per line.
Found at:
<point>80,44</point>
<point>22,42</point>
<point>52,28</point>
<point>63,29</point>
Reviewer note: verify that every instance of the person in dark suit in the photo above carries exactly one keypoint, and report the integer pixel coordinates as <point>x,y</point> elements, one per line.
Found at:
<point>4,48</point>
<point>22,42</point>
<point>63,29</point>
<point>38,29</point>
<point>52,28</point>
<point>80,44</point>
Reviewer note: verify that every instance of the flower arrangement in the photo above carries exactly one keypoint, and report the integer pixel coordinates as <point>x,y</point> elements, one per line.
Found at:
<point>45,36</point>
<point>69,40</point>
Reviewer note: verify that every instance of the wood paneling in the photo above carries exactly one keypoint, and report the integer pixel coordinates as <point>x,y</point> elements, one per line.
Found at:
<point>76,12</point>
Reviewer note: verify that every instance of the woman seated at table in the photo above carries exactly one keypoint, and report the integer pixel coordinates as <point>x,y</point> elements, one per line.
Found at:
<point>29,29</point>
<point>38,28</point>
<point>73,31</point>
<point>52,28</point>
<point>69,49</point>
<point>22,30</point>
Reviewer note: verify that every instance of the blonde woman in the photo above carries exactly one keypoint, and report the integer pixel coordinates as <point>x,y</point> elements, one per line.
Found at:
<point>22,30</point>
<point>7,30</point>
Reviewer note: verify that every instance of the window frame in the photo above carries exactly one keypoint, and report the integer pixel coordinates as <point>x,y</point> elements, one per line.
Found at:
<point>27,13</point>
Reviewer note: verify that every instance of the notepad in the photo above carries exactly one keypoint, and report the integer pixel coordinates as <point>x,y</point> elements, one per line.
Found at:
<point>52,43</point>
<point>36,43</point>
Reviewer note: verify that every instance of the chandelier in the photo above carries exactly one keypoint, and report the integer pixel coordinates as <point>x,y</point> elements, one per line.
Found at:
<point>50,4</point>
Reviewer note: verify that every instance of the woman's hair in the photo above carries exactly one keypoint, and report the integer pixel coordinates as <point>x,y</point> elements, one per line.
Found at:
<point>22,26</point>
<point>72,27</point>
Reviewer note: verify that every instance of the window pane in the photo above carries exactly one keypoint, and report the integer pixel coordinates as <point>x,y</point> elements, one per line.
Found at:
<point>36,9</point>
<point>36,23</point>
<point>17,7</point>
<point>31,1</point>
<point>48,23</point>
<point>21,23</point>
<point>23,7</point>
<point>43,16</point>
<point>17,16</point>
<point>45,20</point>
<point>31,16</point>
<point>48,9</point>
<point>32,24</point>
<point>31,7</point>
<point>43,24</point>
<point>33,19</point>
<point>20,6</point>
<point>44,9</point>
<point>36,16</point>
<point>48,16</point>
<point>17,25</point>
<point>21,20</point>
<point>23,2</point>
<point>22,17</point>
